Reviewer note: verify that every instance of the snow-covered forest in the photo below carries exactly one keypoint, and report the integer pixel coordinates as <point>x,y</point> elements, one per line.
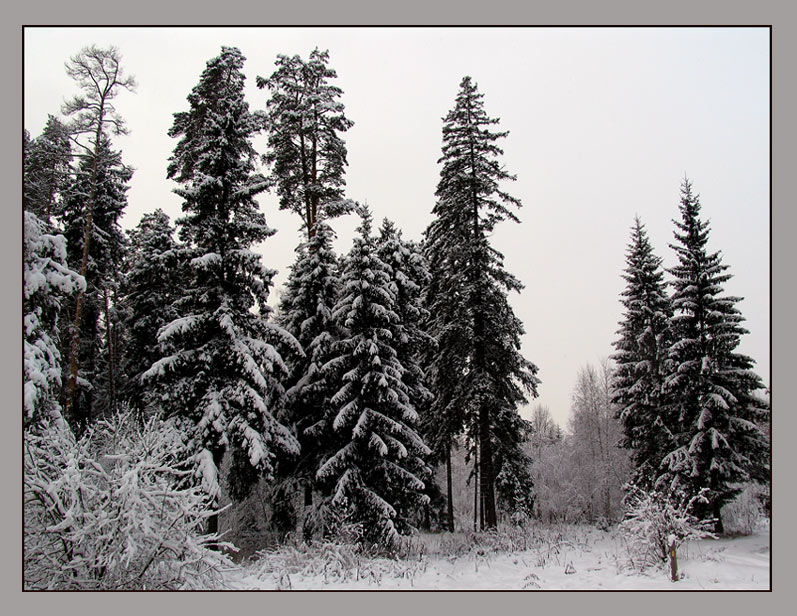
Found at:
<point>374,421</point>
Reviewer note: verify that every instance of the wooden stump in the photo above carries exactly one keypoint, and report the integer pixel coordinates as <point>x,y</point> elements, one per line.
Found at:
<point>673,559</point>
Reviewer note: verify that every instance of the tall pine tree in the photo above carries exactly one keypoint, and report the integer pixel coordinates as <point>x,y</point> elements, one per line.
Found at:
<point>478,377</point>
<point>307,155</point>
<point>641,359</point>
<point>100,185</point>
<point>371,473</point>
<point>719,444</point>
<point>99,74</point>
<point>223,374</point>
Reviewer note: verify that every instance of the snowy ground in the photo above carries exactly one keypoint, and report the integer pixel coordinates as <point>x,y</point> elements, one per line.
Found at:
<point>558,558</point>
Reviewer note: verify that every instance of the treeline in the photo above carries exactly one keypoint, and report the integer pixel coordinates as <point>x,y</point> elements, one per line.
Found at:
<point>347,395</point>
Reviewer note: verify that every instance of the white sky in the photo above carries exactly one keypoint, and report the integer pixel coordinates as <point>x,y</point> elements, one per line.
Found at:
<point>603,122</point>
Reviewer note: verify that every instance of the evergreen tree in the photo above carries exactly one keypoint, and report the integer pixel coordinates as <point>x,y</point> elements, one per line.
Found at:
<point>371,421</point>
<point>98,72</point>
<point>149,290</point>
<point>223,373</point>
<point>306,312</point>
<point>713,388</point>
<point>305,118</point>
<point>409,276</point>
<point>478,376</point>
<point>106,179</point>
<point>641,360</point>
<point>47,281</point>
<point>47,169</point>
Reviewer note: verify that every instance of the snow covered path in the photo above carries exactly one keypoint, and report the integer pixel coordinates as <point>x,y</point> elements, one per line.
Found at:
<point>594,561</point>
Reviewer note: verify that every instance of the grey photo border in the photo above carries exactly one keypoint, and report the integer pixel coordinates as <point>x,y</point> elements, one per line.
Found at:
<point>410,12</point>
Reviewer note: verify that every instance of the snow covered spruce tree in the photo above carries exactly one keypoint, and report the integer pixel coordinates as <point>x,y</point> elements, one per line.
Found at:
<point>47,281</point>
<point>307,156</point>
<point>409,276</point>
<point>306,311</point>
<point>223,374</point>
<point>99,74</point>
<point>47,168</point>
<point>719,444</point>
<point>149,289</point>
<point>641,360</point>
<point>478,376</point>
<point>371,474</point>
<point>101,185</point>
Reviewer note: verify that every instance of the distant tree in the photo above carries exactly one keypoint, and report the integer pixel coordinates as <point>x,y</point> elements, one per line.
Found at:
<point>371,422</point>
<point>98,73</point>
<point>641,360</point>
<point>478,376</point>
<point>150,287</point>
<point>603,467</point>
<point>544,429</point>
<point>307,156</point>
<point>719,443</point>
<point>222,375</point>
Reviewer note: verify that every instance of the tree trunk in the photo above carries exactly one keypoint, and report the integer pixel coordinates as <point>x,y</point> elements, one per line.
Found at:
<point>449,490</point>
<point>111,347</point>
<point>719,529</point>
<point>213,519</point>
<point>489,519</point>
<point>476,489</point>
<point>84,263</point>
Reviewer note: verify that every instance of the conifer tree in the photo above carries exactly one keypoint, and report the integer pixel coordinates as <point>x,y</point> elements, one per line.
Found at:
<point>149,290</point>
<point>306,312</point>
<point>47,282</point>
<point>641,359</point>
<point>223,374</point>
<point>371,422</point>
<point>478,376</point>
<point>307,156</point>
<point>409,277</point>
<point>106,179</point>
<point>712,387</point>
<point>99,74</point>
<point>47,168</point>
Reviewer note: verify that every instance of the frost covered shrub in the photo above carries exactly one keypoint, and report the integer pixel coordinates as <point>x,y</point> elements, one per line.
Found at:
<point>742,515</point>
<point>113,511</point>
<point>652,517</point>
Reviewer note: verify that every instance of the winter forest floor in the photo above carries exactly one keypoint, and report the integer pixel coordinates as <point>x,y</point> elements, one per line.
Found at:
<point>575,557</point>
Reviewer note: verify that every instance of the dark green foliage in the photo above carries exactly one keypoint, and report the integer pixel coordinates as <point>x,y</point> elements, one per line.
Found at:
<point>641,360</point>
<point>223,372</point>
<point>370,422</point>
<point>47,170</point>
<point>307,156</point>
<point>478,376</point>
<point>719,444</point>
<point>150,287</point>
<point>107,180</point>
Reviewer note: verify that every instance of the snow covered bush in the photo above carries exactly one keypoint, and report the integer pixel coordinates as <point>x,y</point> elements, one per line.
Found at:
<point>113,510</point>
<point>652,518</point>
<point>743,514</point>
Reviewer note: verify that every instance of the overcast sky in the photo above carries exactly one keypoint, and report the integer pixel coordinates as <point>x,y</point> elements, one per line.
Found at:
<point>604,124</point>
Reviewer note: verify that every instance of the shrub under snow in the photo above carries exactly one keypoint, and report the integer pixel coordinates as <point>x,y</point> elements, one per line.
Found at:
<point>653,518</point>
<point>112,510</point>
